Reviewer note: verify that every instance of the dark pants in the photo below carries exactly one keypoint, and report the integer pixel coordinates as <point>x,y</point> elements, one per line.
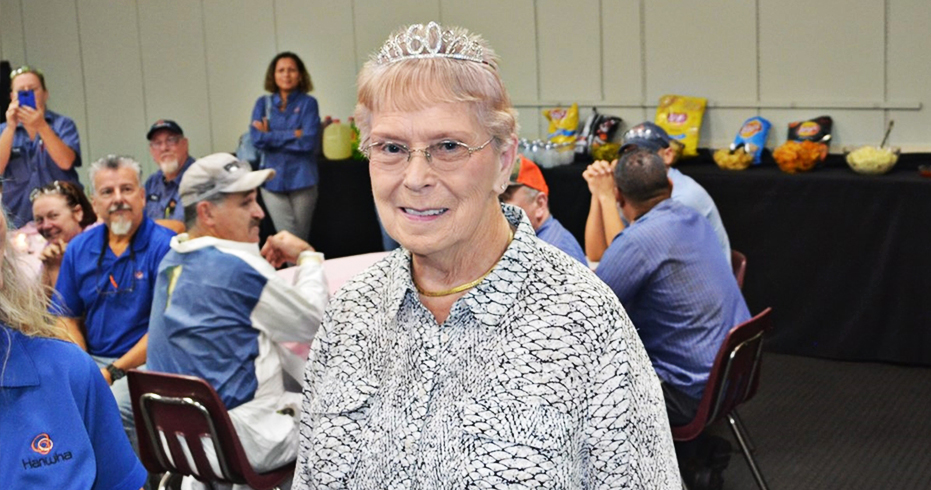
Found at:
<point>680,407</point>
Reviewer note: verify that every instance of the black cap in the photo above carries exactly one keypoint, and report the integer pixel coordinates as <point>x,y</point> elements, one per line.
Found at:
<point>164,124</point>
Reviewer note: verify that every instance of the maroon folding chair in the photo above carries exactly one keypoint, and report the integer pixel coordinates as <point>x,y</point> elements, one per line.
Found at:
<point>734,378</point>
<point>177,417</point>
<point>739,265</point>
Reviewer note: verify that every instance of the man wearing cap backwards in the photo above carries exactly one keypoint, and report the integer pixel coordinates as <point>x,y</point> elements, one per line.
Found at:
<point>221,311</point>
<point>528,190</point>
<point>678,291</point>
<point>107,277</point>
<point>37,146</point>
<point>169,150</point>
<point>604,220</point>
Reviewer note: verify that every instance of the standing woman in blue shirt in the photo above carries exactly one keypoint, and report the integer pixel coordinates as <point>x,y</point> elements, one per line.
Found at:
<point>284,128</point>
<point>59,423</point>
<point>37,146</point>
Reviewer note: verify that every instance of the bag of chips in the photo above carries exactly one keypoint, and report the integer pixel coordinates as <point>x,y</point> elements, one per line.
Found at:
<point>817,130</point>
<point>752,136</point>
<point>681,117</point>
<point>563,124</point>
<point>599,129</point>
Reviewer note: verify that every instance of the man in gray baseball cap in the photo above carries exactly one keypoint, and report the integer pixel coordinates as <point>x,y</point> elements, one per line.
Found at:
<point>221,311</point>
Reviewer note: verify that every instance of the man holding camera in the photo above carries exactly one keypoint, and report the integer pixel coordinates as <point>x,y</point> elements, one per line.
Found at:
<point>37,146</point>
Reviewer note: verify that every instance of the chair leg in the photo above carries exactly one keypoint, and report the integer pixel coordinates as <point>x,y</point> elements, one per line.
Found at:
<point>742,441</point>
<point>743,429</point>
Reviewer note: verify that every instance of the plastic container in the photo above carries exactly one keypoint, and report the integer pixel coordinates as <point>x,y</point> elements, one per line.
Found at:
<point>337,141</point>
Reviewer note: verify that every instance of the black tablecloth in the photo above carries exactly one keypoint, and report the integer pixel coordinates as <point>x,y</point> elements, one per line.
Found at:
<point>842,258</point>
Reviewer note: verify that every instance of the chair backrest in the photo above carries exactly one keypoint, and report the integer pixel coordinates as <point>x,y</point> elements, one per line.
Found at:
<point>180,420</point>
<point>734,378</point>
<point>739,265</point>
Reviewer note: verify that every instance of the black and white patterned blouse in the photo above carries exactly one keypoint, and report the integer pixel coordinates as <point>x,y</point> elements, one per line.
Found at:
<point>537,379</point>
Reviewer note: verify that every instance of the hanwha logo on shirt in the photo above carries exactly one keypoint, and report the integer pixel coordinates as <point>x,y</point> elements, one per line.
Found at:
<point>42,444</point>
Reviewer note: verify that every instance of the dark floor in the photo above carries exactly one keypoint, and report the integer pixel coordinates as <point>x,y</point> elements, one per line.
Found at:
<point>820,424</point>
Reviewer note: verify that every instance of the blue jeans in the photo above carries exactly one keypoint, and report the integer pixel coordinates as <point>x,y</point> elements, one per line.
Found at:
<point>120,389</point>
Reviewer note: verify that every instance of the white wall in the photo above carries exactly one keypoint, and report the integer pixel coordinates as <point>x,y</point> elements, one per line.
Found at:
<point>117,66</point>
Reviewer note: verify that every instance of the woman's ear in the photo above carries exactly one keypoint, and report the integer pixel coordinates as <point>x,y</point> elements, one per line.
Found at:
<point>506,160</point>
<point>78,213</point>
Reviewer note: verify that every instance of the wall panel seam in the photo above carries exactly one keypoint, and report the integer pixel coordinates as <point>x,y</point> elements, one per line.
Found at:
<point>203,29</point>
<point>145,106</point>
<point>77,18</point>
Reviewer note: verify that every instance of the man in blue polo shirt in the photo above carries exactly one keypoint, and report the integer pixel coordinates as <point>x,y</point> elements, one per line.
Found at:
<point>37,146</point>
<point>228,332</point>
<point>667,269</point>
<point>528,190</point>
<point>107,277</point>
<point>604,222</point>
<point>169,150</point>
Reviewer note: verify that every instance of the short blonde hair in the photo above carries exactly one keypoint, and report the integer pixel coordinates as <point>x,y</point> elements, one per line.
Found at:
<point>415,83</point>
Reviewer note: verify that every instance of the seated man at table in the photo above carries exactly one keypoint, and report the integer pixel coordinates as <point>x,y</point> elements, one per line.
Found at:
<point>668,272</point>
<point>528,190</point>
<point>604,221</point>
<point>220,310</point>
<point>169,150</point>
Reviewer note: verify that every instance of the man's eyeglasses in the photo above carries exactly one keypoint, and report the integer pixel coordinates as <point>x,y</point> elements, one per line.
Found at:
<point>169,141</point>
<point>445,155</point>
<point>110,286</point>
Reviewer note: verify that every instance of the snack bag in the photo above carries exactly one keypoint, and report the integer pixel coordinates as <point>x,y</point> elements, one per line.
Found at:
<point>563,124</point>
<point>753,136</point>
<point>817,130</point>
<point>681,117</point>
<point>599,129</point>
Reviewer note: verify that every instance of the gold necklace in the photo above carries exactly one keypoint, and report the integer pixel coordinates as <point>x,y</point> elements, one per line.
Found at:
<point>468,285</point>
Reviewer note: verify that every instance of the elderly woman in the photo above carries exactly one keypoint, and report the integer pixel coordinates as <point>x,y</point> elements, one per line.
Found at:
<point>61,211</point>
<point>58,420</point>
<point>476,355</point>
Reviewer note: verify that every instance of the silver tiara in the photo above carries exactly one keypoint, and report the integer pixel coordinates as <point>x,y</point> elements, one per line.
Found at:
<point>432,41</point>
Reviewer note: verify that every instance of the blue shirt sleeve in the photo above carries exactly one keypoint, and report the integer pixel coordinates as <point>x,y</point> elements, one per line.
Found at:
<point>624,268</point>
<point>282,126</point>
<point>67,131</point>
<point>118,467</point>
<point>67,302</point>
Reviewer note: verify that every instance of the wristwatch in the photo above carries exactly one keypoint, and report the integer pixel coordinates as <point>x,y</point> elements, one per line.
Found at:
<point>115,372</point>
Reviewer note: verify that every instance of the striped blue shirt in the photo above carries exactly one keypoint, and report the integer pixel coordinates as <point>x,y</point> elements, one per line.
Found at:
<point>668,271</point>
<point>554,233</point>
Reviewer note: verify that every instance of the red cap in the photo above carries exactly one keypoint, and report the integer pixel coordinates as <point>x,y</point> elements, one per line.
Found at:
<point>527,173</point>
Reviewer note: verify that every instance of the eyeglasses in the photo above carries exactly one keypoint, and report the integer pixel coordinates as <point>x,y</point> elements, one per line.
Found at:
<point>53,188</point>
<point>26,69</point>
<point>445,155</point>
<point>169,141</point>
<point>109,286</point>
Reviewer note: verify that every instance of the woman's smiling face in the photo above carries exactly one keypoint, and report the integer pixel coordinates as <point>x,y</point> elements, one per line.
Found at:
<point>430,210</point>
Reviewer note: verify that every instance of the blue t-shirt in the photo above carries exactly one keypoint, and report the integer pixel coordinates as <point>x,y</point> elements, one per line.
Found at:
<point>668,271</point>
<point>693,195</point>
<point>163,198</point>
<point>293,158</point>
<point>201,321</point>
<point>554,233</point>
<point>31,166</point>
<point>114,299</point>
<point>59,423</point>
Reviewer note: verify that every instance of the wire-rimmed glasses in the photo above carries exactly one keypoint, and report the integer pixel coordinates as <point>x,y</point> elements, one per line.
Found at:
<point>443,155</point>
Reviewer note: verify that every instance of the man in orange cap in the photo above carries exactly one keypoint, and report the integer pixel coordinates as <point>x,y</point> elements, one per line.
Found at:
<point>529,191</point>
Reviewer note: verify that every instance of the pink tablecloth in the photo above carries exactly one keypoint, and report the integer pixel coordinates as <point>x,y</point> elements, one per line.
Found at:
<point>337,271</point>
